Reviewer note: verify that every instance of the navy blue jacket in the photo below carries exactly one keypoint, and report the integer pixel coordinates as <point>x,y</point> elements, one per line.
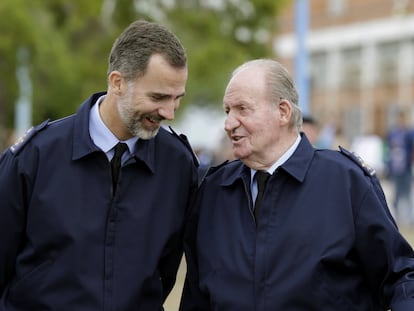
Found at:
<point>67,243</point>
<point>325,241</point>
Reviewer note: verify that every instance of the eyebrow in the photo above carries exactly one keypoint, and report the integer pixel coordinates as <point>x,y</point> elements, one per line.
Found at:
<point>163,95</point>
<point>181,95</point>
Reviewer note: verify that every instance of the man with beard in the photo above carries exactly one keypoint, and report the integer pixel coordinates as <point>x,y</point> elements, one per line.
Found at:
<point>76,231</point>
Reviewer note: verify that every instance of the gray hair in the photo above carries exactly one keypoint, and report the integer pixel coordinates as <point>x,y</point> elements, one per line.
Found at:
<point>132,50</point>
<point>279,85</point>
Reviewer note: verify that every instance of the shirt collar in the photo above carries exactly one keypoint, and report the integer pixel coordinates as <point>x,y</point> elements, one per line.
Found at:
<point>100,133</point>
<point>281,160</point>
<point>297,166</point>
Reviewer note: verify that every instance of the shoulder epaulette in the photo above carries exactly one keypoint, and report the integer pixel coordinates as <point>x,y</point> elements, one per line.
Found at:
<point>215,168</point>
<point>372,176</point>
<point>30,133</point>
<point>184,140</point>
<point>358,160</point>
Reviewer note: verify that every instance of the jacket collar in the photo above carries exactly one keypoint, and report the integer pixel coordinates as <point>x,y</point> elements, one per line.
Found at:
<point>297,165</point>
<point>83,144</point>
<point>145,151</point>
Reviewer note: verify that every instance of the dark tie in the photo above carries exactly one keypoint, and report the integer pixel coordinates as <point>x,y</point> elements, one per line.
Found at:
<point>261,178</point>
<point>116,162</point>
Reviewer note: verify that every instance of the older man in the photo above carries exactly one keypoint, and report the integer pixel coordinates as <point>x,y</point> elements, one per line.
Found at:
<point>319,236</point>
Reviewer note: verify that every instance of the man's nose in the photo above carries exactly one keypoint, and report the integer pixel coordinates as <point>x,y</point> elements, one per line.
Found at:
<point>230,123</point>
<point>168,111</point>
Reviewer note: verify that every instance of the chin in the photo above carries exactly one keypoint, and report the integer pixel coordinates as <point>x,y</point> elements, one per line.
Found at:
<point>239,155</point>
<point>145,134</point>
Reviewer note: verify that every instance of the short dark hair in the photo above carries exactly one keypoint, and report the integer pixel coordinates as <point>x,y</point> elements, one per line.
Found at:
<point>132,50</point>
<point>309,120</point>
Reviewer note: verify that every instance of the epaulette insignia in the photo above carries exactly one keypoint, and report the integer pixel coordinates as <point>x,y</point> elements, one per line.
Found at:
<point>185,141</point>
<point>357,159</point>
<point>21,141</point>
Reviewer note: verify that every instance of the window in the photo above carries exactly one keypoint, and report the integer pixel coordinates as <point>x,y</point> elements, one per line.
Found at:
<point>351,71</point>
<point>318,71</point>
<point>388,63</point>
<point>336,7</point>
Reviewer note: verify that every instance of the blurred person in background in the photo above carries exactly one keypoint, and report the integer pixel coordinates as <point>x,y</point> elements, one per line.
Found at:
<point>311,128</point>
<point>370,147</point>
<point>399,146</point>
<point>331,135</point>
<point>76,233</point>
<point>319,236</point>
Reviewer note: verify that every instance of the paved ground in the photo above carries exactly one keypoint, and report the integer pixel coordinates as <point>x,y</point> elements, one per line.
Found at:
<point>173,300</point>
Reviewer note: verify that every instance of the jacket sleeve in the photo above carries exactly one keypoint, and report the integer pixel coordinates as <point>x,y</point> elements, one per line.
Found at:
<point>171,260</point>
<point>192,299</point>
<point>12,219</point>
<point>169,265</point>
<point>387,258</point>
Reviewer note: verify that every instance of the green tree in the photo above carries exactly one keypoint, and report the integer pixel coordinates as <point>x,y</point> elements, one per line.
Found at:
<point>68,43</point>
<point>218,35</point>
<point>67,48</point>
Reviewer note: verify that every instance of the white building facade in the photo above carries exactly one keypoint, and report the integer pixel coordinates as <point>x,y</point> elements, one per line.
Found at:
<point>361,61</point>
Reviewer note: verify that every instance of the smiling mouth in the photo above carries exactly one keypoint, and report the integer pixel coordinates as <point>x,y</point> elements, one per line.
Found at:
<point>153,120</point>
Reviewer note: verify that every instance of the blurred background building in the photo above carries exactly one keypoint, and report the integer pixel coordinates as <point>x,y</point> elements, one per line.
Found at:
<point>360,65</point>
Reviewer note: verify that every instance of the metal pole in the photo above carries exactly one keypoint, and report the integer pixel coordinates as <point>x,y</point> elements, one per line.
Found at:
<point>301,60</point>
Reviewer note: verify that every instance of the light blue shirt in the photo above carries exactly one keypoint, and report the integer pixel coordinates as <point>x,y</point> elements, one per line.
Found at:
<point>272,169</point>
<point>102,136</point>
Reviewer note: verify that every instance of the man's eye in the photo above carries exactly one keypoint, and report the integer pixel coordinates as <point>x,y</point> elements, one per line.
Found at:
<point>158,97</point>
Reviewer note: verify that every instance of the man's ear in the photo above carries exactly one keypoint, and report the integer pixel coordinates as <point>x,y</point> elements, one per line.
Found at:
<point>116,81</point>
<point>285,109</point>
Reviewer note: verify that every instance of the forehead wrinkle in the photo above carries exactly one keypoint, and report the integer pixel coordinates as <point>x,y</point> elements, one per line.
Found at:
<point>244,94</point>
